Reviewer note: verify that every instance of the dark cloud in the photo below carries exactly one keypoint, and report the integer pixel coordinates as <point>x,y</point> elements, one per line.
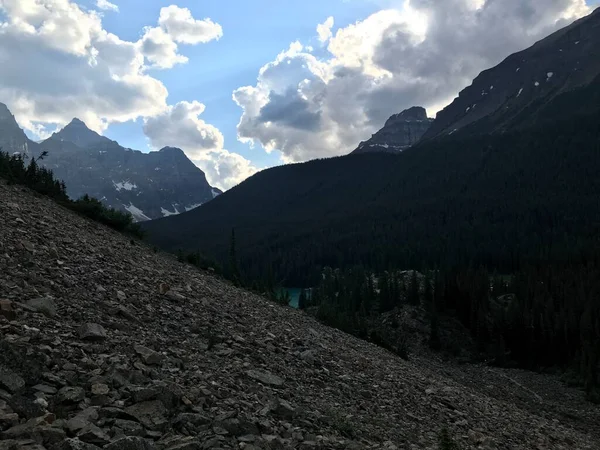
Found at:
<point>290,110</point>
<point>423,54</point>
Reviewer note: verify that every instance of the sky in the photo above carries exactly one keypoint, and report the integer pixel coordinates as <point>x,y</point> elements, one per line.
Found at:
<point>242,85</point>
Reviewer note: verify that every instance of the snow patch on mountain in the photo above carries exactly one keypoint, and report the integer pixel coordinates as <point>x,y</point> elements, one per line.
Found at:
<point>166,213</point>
<point>190,207</point>
<point>137,213</point>
<point>124,185</point>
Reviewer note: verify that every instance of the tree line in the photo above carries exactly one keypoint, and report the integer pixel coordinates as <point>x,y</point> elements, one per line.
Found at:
<point>16,170</point>
<point>545,316</point>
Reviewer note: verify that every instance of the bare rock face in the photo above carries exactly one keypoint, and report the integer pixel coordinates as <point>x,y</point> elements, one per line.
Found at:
<point>274,378</point>
<point>399,132</point>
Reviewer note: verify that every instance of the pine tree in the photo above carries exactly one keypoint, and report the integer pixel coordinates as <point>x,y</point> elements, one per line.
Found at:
<point>413,289</point>
<point>233,262</point>
<point>302,300</point>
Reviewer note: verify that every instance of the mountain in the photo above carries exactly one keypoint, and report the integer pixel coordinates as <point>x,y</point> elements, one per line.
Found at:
<point>497,199</point>
<point>79,134</point>
<point>106,344</point>
<point>514,93</point>
<point>399,132</point>
<point>12,138</point>
<point>148,185</point>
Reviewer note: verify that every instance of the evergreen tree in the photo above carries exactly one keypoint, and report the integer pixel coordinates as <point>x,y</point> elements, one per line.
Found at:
<point>233,262</point>
<point>302,300</point>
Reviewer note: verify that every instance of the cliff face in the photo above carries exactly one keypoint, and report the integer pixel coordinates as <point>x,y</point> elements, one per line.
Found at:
<point>399,132</point>
<point>104,343</point>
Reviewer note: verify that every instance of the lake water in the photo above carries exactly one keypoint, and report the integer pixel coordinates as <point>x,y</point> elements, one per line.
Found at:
<point>294,295</point>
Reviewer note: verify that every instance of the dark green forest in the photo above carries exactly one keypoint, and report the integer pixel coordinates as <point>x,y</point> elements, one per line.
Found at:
<point>542,317</point>
<point>16,170</point>
<point>501,200</point>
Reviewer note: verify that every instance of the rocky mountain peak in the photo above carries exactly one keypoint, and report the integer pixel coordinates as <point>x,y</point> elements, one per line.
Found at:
<point>399,132</point>
<point>79,134</point>
<point>4,111</point>
<point>13,139</point>
<point>172,151</point>
<point>416,113</point>
<point>7,120</point>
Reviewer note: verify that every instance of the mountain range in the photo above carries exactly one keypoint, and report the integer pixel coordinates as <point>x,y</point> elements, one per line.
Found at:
<point>148,185</point>
<point>506,169</point>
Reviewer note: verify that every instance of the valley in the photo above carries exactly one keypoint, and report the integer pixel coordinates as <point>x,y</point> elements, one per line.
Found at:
<point>176,357</point>
<point>437,286</point>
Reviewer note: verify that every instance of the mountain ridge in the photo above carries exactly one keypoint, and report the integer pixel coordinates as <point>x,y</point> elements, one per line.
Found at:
<point>565,60</point>
<point>147,185</point>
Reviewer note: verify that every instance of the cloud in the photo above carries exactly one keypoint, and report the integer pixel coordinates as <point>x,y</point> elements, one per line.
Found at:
<point>183,28</point>
<point>175,26</point>
<point>422,53</point>
<point>224,169</point>
<point>58,62</point>
<point>324,30</point>
<point>180,126</point>
<point>107,6</point>
<point>160,49</point>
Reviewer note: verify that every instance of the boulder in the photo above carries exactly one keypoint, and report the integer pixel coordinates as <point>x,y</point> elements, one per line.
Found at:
<point>44,305</point>
<point>70,395</point>
<point>10,380</point>
<point>265,377</point>
<point>7,310</point>
<point>151,414</point>
<point>149,356</point>
<point>92,332</point>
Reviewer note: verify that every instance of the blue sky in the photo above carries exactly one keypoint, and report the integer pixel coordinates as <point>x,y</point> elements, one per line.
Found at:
<point>254,33</point>
<point>293,80</point>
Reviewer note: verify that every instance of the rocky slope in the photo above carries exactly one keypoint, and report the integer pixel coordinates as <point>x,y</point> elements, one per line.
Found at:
<point>515,92</point>
<point>148,185</point>
<point>105,343</point>
<point>399,132</point>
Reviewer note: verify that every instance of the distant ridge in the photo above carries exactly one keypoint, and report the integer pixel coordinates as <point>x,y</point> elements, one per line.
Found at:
<point>148,185</point>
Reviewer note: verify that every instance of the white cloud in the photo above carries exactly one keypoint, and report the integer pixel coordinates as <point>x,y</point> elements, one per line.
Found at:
<point>175,26</point>
<point>107,6</point>
<point>183,28</point>
<point>224,169</point>
<point>180,126</point>
<point>421,53</point>
<point>324,30</point>
<point>58,62</point>
<point>160,49</point>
